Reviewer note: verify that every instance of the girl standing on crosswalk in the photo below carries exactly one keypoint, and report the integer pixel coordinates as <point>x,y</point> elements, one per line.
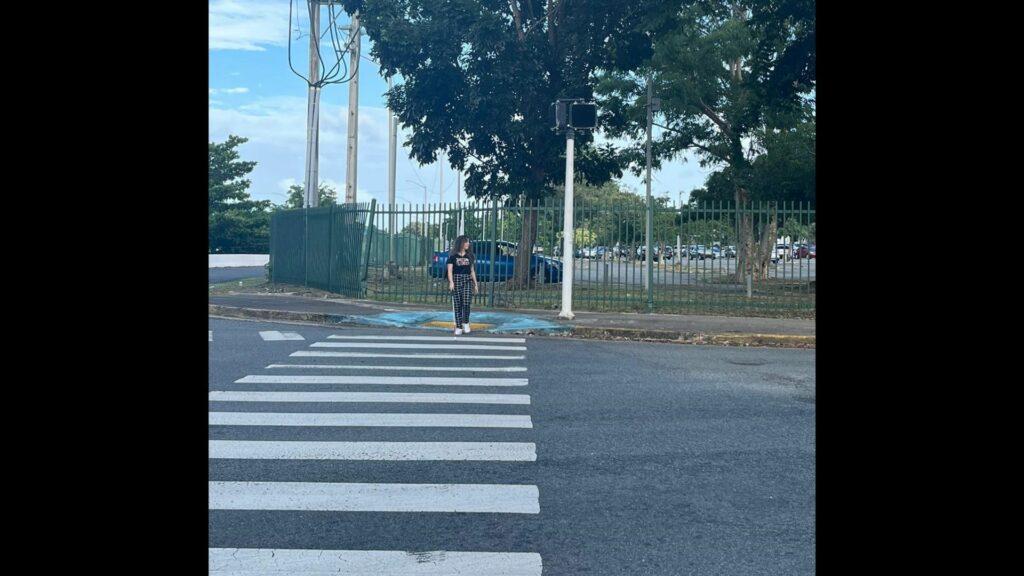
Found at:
<point>461,272</point>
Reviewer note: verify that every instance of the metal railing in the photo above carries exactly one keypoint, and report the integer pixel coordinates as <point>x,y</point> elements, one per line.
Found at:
<point>696,269</point>
<point>327,248</point>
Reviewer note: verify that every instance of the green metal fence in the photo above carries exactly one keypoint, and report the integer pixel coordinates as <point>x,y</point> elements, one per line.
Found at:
<point>327,248</point>
<point>696,268</point>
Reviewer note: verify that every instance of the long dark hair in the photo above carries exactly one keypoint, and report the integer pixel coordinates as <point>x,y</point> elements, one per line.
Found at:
<point>457,245</point>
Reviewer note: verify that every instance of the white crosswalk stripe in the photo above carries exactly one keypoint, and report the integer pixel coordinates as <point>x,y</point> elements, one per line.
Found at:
<point>363,440</point>
<point>253,562</point>
<point>380,380</point>
<point>431,338</point>
<point>299,450</point>
<point>330,354</point>
<point>453,346</point>
<point>372,419</point>
<point>407,397</point>
<point>274,335</point>
<point>416,368</point>
<point>374,497</point>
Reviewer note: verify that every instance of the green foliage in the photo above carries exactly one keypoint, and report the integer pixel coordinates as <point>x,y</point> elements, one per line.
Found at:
<point>736,82</point>
<point>480,78</point>
<point>237,224</point>
<point>328,196</point>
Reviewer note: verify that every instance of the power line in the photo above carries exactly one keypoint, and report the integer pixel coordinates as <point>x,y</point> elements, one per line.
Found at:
<point>339,73</point>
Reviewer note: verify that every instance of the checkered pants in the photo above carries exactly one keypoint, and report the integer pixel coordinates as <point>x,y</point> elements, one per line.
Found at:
<point>462,296</point>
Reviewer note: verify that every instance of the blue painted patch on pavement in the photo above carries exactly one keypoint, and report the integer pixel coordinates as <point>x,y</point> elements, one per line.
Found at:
<point>503,321</point>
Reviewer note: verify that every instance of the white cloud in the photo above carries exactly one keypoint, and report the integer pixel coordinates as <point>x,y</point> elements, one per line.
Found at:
<point>240,90</point>
<point>339,186</point>
<point>276,129</point>
<point>281,121</point>
<point>285,183</point>
<point>236,25</point>
<point>680,174</point>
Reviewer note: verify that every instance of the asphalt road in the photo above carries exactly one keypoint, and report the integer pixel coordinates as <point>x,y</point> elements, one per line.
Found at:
<point>629,458</point>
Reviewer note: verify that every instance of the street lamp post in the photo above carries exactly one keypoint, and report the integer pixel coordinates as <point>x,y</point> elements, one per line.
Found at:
<point>424,186</point>
<point>653,105</point>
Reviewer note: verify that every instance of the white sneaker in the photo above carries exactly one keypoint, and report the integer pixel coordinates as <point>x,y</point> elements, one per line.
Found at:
<point>458,331</point>
<point>466,329</point>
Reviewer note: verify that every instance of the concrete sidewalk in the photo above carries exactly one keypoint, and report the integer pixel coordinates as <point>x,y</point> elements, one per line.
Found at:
<point>686,329</point>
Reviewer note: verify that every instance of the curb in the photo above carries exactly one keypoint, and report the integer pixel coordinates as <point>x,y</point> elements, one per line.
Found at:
<point>580,332</point>
<point>768,340</point>
<point>259,314</point>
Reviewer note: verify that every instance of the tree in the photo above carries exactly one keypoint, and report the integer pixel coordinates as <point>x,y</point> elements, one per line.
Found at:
<point>718,187</point>
<point>707,232</point>
<point>236,222</point>
<point>426,230</point>
<point>584,237</point>
<point>414,229</point>
<point>728,73</point>
<point>784,172</point>
<point>796,231</point>
<point>228,188</point>
<point>612,213</point>
<point>297,197</point>
<point>239,232</point>
<point>480,77</point>
<point>472,223</point>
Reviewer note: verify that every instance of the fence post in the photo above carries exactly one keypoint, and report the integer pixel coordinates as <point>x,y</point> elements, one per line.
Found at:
<point>330,248</point>
<point>649,252</point>
<point>368,242</point>
<point>494,246</point>
<point>305,247</point>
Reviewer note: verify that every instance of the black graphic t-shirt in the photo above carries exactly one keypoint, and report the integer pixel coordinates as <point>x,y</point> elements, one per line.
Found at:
<point>460,264</point>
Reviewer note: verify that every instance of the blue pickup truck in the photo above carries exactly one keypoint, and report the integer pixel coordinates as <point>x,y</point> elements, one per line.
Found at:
<point>542,268</point>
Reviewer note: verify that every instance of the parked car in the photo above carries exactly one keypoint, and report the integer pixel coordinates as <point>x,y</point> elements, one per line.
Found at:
<point>806,251</point>
<point>729,252</point>
<point>641,252</point>
<point>541,267</point>
<point>700,252</point>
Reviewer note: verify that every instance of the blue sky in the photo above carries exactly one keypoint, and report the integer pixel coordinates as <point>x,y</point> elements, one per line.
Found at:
<point>253,93</point>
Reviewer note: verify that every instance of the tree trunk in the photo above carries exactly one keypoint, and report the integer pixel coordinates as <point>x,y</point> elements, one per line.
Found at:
<point>521,278</point>
<point>760,249</point>
<point>744,232</point>
<point>753,253</point>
